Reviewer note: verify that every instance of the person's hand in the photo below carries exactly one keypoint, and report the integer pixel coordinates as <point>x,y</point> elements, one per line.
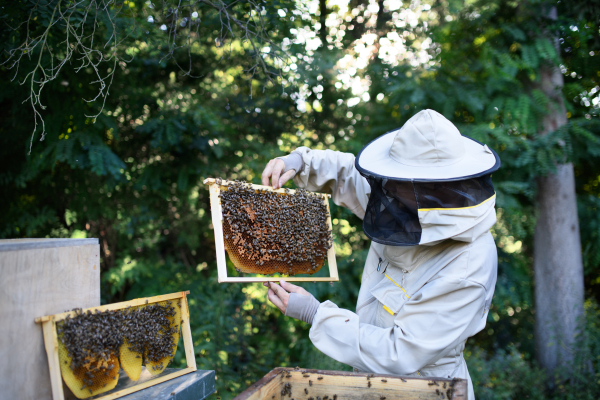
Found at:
<point>274,171</point>
<point>279,295</point>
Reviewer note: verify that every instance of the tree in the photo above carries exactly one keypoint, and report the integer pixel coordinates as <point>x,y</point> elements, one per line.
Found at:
<point>557,257</point>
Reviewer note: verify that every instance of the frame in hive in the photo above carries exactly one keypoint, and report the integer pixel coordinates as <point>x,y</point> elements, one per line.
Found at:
<point>215,188</point>
<point>54,346</point>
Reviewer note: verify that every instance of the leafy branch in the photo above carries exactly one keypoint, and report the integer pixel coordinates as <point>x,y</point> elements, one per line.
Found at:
<point>96,32</point>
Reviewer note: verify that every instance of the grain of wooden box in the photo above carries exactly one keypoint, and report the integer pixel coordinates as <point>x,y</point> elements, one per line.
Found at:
<point>217,221</point>
<point>51,343</point>
<point>39,277</point>
<point>307,383</point>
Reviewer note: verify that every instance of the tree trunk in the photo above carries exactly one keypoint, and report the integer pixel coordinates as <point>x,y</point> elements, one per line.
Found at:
<point>559,290</point>
<point>322,18</point>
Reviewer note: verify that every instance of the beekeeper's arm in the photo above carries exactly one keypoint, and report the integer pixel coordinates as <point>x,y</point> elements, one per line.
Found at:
<point>323,171</point>
<point>438,317</point>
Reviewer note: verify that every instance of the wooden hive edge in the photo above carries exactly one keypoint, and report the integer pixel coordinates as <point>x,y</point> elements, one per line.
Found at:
<point>299,378</point>
<point>224,182</point>
<point>115,306</point>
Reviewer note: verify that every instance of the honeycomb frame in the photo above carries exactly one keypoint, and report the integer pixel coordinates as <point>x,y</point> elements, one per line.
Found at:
<point>215,186</point>
<point>52,344</point>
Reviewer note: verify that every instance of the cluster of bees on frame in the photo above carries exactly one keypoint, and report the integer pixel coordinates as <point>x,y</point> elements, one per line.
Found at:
<point>149,331</point>
<point>91,344</point>
<point>269,232</point>
<point>444,391</point>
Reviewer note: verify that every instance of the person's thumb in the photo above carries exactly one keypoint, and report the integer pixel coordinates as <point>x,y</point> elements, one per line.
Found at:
<point>286,177</point>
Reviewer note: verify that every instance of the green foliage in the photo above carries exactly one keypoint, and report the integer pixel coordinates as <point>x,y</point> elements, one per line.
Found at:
<point>510,374</point>
<point>133,176</point>
<point>505,375</point>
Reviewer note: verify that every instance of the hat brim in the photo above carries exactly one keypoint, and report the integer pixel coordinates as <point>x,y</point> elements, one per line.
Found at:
<point>374,160</point>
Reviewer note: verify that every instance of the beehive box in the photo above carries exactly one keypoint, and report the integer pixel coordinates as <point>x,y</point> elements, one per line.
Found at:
<point>306,384</point>
<point>39,277</point>
<point>91,374</point>
<point>266,231</point>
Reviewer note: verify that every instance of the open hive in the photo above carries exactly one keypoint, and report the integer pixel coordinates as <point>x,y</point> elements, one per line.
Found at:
<point>87,348</point>
<point>310,384</point>
<point>267,232</point>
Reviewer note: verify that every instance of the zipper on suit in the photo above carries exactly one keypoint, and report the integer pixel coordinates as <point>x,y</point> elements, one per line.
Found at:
<point>379,265</point>
<point>404,272</point>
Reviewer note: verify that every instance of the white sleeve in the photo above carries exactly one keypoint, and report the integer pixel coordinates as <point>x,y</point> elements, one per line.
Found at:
<point>435,320</point>
<point>334,173</point>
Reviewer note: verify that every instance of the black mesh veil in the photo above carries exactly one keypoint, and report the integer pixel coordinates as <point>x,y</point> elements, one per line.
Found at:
<point>392,215</point>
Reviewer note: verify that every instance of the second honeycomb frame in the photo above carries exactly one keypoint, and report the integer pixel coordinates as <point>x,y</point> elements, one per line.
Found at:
<point>217,222</point>
<point>51,344</point>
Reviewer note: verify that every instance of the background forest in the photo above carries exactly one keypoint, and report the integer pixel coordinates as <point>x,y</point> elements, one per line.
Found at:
<point>137,102</point>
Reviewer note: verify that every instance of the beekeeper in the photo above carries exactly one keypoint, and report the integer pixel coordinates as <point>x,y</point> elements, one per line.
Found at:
<point>426,198</point>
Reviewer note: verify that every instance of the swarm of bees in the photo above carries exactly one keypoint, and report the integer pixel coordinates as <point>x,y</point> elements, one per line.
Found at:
<point>91,344</point>
<point>267,232</point>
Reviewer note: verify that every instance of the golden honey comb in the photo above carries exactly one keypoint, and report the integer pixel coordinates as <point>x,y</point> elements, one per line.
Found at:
<point>104,374</point>
<point>284,233</point>
<point>131,361</point>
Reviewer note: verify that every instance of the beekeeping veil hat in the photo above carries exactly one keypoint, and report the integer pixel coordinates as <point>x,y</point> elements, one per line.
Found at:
<point>428,183</point>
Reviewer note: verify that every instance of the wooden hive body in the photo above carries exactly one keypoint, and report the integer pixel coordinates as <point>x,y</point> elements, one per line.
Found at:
<point>39,277</point>
<point>304,384</point>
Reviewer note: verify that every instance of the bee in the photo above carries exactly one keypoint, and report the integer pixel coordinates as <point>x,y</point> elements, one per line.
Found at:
<point>384,380</point>
<point>305,390</point>
<point>347,320</point>
<point>335,397</point>
<point>320,377</point>
<point>309,383</point>
<point>306,375</point>
<point>403,380</point>
<point>382,398</point>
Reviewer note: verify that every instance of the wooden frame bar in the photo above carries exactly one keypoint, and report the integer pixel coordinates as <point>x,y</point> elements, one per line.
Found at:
<point>303,384</point>
<point>51,344</point>
<point>217,221</point>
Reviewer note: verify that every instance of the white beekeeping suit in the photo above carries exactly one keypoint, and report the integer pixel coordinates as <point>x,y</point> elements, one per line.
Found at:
<point>425,195</point>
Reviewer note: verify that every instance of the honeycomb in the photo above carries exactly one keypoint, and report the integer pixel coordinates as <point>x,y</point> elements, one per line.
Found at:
<point>156,358</point>
<point>266,232</point>
<point>92,346</point>
<point>131,361</point>
<point>94,377</point>
<point>87,352</point>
